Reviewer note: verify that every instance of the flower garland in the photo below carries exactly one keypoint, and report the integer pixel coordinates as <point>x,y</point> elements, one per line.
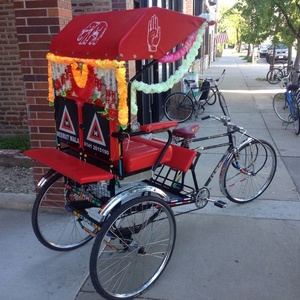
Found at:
<point>83,77</point>
<point>187,44</point>
<point>176,77</point>
<point>80,74</point>
<point>82,81</point>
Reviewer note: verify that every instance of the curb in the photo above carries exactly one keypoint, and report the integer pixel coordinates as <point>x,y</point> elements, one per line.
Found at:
<point>14,158</point>
<point>19,201</point>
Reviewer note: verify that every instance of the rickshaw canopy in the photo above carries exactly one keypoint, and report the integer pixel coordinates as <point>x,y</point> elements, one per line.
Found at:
<point>136,34</point>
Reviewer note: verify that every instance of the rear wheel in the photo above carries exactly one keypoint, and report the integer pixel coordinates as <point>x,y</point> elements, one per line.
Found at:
<point>281,107</point>
<point>178,107</point>
<point>274,76</point>
<point>55,226</point>
<point>132,248</point>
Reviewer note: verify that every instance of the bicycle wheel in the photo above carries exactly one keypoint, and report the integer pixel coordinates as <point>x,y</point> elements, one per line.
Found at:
<point>212,97</point>
<point>132,248</point>
<point>223,105</point>
<point>248,173</point>
<point>281,107</point>
<point>274,76</point>
<point>178,107</point>
<point>54,226</point>
<point>296,116</point>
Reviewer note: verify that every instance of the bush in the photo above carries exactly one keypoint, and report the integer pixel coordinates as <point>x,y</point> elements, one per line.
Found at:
<point>17,142</point>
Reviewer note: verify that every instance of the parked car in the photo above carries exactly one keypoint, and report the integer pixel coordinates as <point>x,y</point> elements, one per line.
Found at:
<point>281,53</point>
<point>263,49</point>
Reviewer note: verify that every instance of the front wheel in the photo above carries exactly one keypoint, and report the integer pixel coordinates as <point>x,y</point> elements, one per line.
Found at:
<point>178,107</point>
<point>132,248</point>
<point>223,105</point>
<point>248,171</point>
<point>212,97</point>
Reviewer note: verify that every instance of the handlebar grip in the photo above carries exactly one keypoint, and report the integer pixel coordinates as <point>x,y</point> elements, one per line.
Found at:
<point>205,118</point>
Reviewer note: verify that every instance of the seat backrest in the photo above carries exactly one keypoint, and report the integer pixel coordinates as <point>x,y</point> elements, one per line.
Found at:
<point>68,119</point>
<point>83,126</point>
<point>97,133</point>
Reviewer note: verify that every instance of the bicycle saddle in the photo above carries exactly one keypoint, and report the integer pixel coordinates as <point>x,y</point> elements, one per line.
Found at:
<point>186,132</point>
<point>293,87</point>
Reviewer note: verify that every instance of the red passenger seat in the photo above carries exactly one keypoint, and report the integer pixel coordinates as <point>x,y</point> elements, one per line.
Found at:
<point>140,153</point>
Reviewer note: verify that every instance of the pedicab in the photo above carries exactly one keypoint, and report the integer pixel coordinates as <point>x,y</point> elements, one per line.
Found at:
<point>102,180</point>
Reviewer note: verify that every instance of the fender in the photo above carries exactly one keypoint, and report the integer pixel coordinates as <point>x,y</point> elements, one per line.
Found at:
<point>46,177</point>
<point>131,193</point>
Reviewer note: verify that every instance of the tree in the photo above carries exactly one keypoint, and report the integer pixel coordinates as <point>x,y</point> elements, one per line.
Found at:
<point>276,18</point>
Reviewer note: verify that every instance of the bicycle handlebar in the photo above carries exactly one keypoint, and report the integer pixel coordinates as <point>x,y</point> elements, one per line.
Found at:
<point>211,80</point>
<point>225,120</point>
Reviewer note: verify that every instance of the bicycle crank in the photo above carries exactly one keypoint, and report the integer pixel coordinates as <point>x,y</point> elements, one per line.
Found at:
<point>202,198</point>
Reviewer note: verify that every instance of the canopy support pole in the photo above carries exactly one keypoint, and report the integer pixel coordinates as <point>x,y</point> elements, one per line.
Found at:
<point>138,74</point>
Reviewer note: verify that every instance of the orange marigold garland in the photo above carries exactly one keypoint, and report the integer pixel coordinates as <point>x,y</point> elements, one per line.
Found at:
<point>82,79</point>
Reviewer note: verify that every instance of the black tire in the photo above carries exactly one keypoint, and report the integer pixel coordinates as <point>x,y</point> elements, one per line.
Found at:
<point>274,76</point>
<point>249,172</point>
<point>281,107</point>
<point>296,116</point>
<point>54,226</point>
<point>178,107</point>
<point>212,97</point>
<point>133,248</point>
<point>223,105</point>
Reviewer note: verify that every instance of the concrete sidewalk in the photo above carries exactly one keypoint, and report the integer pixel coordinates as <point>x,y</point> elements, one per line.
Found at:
<point>248,251</point>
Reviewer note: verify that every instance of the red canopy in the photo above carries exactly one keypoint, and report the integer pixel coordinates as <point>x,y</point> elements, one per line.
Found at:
<point>144,33</point>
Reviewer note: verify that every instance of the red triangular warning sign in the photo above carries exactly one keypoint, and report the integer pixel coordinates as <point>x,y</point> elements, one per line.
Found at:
<point>95,133</point>
<point>66,122</point>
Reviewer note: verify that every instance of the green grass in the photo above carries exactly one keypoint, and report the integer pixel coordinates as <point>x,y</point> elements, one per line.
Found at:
<point>261,79</point>
<point>17,142</point>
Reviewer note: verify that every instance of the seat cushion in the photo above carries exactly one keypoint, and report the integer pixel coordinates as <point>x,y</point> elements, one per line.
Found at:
<point>140,153</point>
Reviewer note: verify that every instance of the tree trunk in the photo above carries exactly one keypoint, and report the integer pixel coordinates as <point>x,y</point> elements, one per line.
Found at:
<point>295,76</point>
<point>297,59</point>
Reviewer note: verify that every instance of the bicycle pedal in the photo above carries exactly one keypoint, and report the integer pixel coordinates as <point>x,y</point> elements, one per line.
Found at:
<point>220,204</point>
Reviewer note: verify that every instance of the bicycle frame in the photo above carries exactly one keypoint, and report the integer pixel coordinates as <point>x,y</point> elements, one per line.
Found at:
<point>289,100</point>
<point>190,192</point>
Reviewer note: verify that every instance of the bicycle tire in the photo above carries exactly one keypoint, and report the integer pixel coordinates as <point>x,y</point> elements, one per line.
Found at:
<point>286,71</point>
<point>223,105</point>
<point>274,76</point>
<point>54,226</point>
<point>212,97</point>
<point>178,107</point>
<point>133,248</point>
<point>249,172</point>
<point>281,107</point>
<point>296,116</point>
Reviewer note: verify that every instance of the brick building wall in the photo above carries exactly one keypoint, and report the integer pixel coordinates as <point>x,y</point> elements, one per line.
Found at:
<point>37,22</point>
<point>27,27</point>
<point>13,116</point>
